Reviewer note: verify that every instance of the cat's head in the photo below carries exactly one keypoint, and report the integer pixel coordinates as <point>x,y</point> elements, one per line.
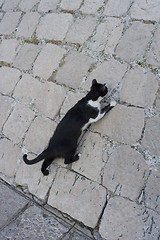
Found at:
<point>98,89</point>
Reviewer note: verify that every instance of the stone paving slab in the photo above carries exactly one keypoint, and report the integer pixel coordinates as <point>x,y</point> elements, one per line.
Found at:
<point>48,60</point>
<point>91,7</point>
<point>10,5</point>
<point>8,50</point>
<point>10,154</point>
<point>32,178</point>
<point>152,199</point>
<point>117,8</point>
<point>93,158</point>
<point>9,78</point>
<point>47,5</point>
<point>40,226</point>
<point>131,222</point>
<point>6,107</point>
<point>9,22</point>
<point>135,95</point>
<point>146,10</point>
<point>79,64</point>
<point>27,5</point>
<point>46,126</point>
<point>20,214</point>
<point>110,72</point>
<point>81,30</point>
<point>152,129</point>
<point>33,87</point>
<point>70,5</point>
<point>50,51</point>
<point>107,35</point>
<point>11,203</point>
<point>123,175</point>
<point>48,94</point>
<point>129,131</point>
<point>54,26</point>
<point>132,47</point>
<point>87,210</point>
<point>153,56</point>
<point>26,56</point>
<point>28,25</point>
<point>18,122</point>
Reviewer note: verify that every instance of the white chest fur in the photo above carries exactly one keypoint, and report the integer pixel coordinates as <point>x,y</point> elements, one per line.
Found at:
<point>94,104</point>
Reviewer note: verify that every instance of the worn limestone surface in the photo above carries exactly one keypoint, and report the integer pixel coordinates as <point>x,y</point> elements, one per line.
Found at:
<point>8,50</point>
<point>110,72</point>
<point>50,50</point>
<point>26,6</point>
<point>43,125</point>
<point>75,187</point>
<point>6,106</point>
<point>152,129</point>
<point>129,48</point>
<point>54,26</point>
<point>28,25</point>
<point>20,213</point>
<point>28,52</point>
<point>53,54</point>
<point>47,5</point>
<point>132,221</point>
<point>7,83</point>
<point>9,22</point>
<point>125,172</point>
<point>81,29</point>
<point>117,8</point>
<point>129,130</point>
<point>31,178</point>
<point>10,206</point>
<point>75,66</point>
<point>146,10</point>
<point>139,88</point>
<point>107,35</point>
<point>153,56</point>
<point>92,161</point>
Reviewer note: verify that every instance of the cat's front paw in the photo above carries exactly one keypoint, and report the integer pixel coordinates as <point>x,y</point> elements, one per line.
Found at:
<point>113,103</point>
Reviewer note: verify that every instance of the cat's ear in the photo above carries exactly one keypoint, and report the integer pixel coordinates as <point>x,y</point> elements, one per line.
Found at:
<point>94,81</point>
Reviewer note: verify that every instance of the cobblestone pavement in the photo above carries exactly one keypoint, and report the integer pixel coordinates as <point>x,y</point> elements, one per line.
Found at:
<point>50,50</point>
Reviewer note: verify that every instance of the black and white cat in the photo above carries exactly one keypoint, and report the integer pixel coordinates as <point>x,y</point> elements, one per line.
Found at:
<point>63,143</point>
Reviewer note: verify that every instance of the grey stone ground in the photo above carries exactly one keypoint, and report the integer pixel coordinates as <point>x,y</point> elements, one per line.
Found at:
<point>50,50</point>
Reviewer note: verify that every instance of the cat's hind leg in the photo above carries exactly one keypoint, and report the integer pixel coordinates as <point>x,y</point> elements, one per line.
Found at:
<point>70,159</point>
<point>45,165</point>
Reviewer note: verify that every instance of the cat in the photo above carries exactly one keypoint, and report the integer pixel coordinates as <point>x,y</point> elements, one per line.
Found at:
<point>64,142</point>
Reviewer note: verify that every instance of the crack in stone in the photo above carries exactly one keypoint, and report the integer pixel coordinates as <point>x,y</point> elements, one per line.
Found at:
<point>101,215</point>
<point>48,192</point>
<point>148,47</point>
<point>10,113</point>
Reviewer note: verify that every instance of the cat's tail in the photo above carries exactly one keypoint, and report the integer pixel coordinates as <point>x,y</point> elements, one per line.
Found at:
<point>39,158</point>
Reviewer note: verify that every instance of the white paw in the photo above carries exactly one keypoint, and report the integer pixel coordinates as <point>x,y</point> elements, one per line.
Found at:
<point>79,155</point>
<point>113,103</point>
